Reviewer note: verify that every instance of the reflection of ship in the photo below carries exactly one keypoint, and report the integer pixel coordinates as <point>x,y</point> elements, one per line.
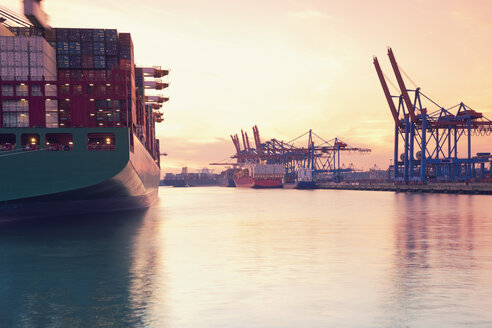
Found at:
<point>260,176</point>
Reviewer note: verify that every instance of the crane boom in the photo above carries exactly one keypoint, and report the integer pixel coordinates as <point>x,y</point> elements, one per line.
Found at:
<point>402,86</point>
<point>236,145</point>
<point>244,141</point>
<point>389,99</point>
<point>247,141</point>
<point>256,134</point>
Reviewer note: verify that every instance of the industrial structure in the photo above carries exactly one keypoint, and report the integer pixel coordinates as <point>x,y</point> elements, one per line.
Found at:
<point>428,137</point>
<point>318,155</point>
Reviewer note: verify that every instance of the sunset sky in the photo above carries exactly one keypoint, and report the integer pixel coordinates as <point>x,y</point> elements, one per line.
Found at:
<point>290,66</point>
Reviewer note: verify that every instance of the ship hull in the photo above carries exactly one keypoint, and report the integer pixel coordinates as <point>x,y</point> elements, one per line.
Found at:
<point>46,183</point>
<point>250,182</point>
<point>306,185</point>
<point>244,182</point>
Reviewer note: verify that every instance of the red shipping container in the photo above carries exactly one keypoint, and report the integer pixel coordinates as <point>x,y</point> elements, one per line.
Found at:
<point>87,61</point>
<point>37,113</point>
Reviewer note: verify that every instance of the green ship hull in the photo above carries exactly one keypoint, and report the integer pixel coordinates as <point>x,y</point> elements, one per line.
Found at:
<point>40,183</point>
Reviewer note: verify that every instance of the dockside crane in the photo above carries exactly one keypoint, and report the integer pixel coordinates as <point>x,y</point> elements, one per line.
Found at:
<point>323,157</point>
<point>431,139</point>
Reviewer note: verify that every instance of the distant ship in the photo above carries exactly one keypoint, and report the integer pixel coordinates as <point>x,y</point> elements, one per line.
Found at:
<point>260,176</point>
<point>77,129</point>
<point>302,179</point>
<point>203,178</point>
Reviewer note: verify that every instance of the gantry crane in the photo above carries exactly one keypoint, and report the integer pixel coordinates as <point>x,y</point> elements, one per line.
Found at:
<point>431,138</point>
<point>321,157</point>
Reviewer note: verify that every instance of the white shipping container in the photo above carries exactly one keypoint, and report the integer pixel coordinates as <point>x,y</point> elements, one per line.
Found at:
<point>10,59</point>
<point>50,66</point>
<point>21,43</point>
<point>51,105</point>
<point>21,59</point>
<point>25,71</point>
<point>3,59</point>
<point>36,44</point>
<point>3,43</point>
<point>49,51</point>
<point>9,119</point>
<point>19,75</point>
<point>279,169</point>
<point>50,90</point>
<point>8,73</point>
<point>49,75</point>
<point>52,119</point>
<point>23,120</point>
<point>36,72</point>
<point>6,43</point>
<point>36,59</point>
<point>10,43</point>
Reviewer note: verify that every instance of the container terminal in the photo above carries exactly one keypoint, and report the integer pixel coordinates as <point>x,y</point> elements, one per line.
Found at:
<point>427,140</point>
<point>77,122</point>
<point>281,164</point>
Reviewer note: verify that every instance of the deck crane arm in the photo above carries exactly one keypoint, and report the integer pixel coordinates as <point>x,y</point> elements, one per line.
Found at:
<point>402,86</point>
<point>389,99</point>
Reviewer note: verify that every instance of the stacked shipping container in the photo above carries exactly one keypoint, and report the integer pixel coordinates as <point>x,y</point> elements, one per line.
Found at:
<point>73,78</point>
<point>24,62</point>
<point>98,83</point>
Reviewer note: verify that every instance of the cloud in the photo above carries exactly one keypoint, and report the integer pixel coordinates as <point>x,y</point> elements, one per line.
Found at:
<point>307,14</point>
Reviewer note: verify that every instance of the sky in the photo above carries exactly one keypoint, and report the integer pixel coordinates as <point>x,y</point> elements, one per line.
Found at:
<point>289,66</point>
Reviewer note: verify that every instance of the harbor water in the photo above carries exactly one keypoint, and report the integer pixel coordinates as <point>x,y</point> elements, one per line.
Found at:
<point>230,257</point>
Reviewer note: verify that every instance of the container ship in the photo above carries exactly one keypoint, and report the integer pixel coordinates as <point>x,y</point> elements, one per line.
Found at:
<point>77,127</point>
<point>204,178</point>
<point>260,176</point>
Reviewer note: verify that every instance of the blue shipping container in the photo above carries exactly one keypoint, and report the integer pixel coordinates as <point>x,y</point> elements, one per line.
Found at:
<point>74,48</point>
<point>111,35</point>
<point>99,48</point>
<point>99,61</point>
<point>98,35</point>
<point>112,49</point>
<point>87,48</point>
<point>61,34</point>
<point>112,62</point>
<point>62,48</point>
<point>73,34</point>
<point>75,61</point>
<point>63,61</point>
<point>86,35</point>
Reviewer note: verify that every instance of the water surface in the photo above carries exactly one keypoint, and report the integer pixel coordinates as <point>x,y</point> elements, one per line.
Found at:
<point>226,257</point>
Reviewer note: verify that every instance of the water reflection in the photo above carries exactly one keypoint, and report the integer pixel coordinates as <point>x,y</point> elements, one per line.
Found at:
<point>223,257</point>
<point>148,278</point>
<point>435,263</point>
<point>69,272</point>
